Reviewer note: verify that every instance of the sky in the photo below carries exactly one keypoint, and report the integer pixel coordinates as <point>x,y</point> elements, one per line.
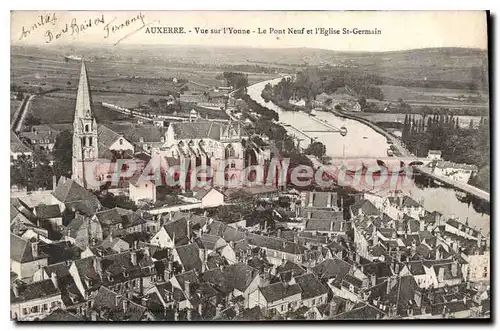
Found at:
<point>399,29</point>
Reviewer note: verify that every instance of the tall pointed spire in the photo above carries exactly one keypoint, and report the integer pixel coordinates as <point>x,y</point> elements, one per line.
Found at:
<point>83,100</point>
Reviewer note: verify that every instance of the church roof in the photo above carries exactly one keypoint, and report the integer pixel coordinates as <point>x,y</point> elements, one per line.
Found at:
<point>83,99</point>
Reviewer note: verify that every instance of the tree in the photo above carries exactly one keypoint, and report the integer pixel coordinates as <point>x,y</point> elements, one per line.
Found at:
<point>362,102</point>
<point>32,120</point>
<point>63,154</point>
<point>317,149</point>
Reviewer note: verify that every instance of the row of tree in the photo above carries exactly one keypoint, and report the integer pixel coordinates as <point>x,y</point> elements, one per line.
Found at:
<point>470,145</point>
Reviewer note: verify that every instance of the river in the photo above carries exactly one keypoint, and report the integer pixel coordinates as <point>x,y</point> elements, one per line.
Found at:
<point>355,145</point>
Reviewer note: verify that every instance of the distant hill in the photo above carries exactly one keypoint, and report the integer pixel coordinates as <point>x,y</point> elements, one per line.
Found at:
<point>444,64</point>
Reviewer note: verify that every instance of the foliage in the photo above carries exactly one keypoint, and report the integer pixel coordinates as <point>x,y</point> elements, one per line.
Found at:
<point>469,145</point>
<point>62,152</point>
<point>111,201</point>
<point>317,149</point>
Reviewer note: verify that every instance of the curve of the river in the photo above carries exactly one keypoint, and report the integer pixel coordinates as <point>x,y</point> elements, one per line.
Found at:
<point>360,141</point>
<point>441,199</point>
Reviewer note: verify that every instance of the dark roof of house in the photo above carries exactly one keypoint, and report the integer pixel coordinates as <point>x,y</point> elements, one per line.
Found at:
<point>59,251</point>
<point>403,292</point>
<point>290,267</point>
<point>33,291</point>
<point>239,275</point>
<point>47,211</point>
<point>60,315</point>
<point>279,291</point>
<point>211,242</point>
<point>252,314</point>
<point>275,244</point>
<point>366,207</point>
<point>321,199</point>
<point>310,285</point>
<point>70,191</point>
<point>189,256</point>
<point>21,250</point>
<point>177,228</point>
<point>134,132</point>
<point>324,225</point>
<point>106,136</point>
<point>332,268</point>
<point>353,280</point>
<point>416,268</point>
<point>111,303</point>
<point>109,217</point>
<point>361,311</point>
<point>323,214</point>
<point>167,287</point>
<point>80,223</point>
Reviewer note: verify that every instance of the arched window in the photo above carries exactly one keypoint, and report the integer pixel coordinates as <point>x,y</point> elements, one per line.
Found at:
<point>84,141</point>
<point>121,141</point>
<point>90,141</point>
<point>86,128</point>
<point>230,151</point>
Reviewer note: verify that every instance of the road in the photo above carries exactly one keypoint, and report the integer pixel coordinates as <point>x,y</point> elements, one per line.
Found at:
<point>17,122</point>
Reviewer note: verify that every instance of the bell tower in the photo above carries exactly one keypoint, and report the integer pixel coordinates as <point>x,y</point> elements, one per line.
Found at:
<point>85,144</point>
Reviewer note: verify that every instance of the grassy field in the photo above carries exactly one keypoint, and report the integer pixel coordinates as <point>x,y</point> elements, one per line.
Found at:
<point>14,106</point>
<point>61,110</point>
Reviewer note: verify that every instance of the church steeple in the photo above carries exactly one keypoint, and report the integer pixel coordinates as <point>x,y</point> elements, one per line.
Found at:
<point>83,99</point>
<point>85,136</point>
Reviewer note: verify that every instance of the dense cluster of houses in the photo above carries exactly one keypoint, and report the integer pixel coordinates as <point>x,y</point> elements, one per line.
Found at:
<point>319,257</point>
<point>316,255</point>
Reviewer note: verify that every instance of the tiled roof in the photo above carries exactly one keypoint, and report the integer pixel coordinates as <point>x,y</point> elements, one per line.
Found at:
<point>112,303</point>
<point>21,251</point>
<point>17,146</point>
<point>239,275</point>
<point>332,268</point>
<point>106,136</point>
<point>189,256</point>
<point>33,291</point>
<point>109,217</point>
<point>279,291</point>
<point>361,312</point>
<point>212,242</point>
<point>324,225</point>
<point>70,191</point>
<point>366,207</point>
<point>134,133</point>
<point>60,315</point>
<point>310,285</point>
<point>178,229</point>
<point>198,130</point>
<point>47,211</point>
<point>275,244</point>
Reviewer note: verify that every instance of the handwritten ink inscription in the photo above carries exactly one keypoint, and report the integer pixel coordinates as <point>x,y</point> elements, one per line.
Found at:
<point>112,29</point>
<point>43,20</point>
<point>74,28</point>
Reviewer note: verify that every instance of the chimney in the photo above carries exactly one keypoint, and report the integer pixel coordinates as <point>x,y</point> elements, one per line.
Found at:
<point>441,274</point>
<point>454,269</point>
<point>117,300</point>
<point>133,258</point>
<point>15,289</point>
<point>176,315</point>
<point>200,309</point>
<point>53,277</point>
<point>358,258</point>
<point>218,310</point>
<point>125,305</point>
<point>374,235</point>
<point>34,248</point>
<point>187,289</point>
<point>422,225</point>
<point>54,182</point>
<point>373,279</point>
<point>97,265</point>
<point>146,251</point>
<point>93,316</point>
<point>188,229</point>
<point>189,314</point>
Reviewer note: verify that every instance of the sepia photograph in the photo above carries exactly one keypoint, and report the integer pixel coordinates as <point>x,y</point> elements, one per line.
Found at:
<point>240,166</point>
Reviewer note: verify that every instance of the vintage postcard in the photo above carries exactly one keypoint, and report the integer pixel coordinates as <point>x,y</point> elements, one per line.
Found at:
<point>249,166</point>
